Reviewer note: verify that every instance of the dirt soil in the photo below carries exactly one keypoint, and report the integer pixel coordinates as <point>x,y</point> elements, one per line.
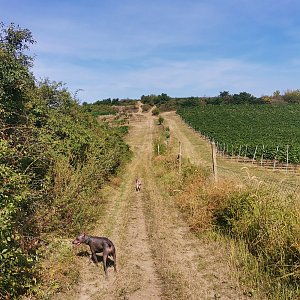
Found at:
<point>157,256</point>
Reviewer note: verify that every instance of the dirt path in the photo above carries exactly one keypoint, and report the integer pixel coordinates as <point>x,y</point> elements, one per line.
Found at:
<point>157,256</point>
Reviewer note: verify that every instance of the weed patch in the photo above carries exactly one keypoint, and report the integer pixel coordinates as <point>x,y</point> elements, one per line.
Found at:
<point>268,224</point>
<point>262,223</point>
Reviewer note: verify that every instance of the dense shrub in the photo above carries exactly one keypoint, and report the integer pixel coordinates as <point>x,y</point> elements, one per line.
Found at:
<point>269,226</point>
<point>99,109</point>
<point>146,107</point>
<point>54,157</point>
<point>155,111</point>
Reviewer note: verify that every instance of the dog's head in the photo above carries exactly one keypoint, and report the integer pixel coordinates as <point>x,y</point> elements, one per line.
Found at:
<point>80,239</point>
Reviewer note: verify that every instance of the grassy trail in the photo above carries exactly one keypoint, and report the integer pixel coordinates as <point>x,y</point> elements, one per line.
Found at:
<point>157,256</point>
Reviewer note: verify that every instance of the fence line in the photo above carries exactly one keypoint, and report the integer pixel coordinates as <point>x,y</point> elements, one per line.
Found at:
<point>244,155</point>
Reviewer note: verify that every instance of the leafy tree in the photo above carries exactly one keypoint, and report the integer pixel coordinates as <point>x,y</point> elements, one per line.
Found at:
<point>55,95</point>
<point>16,41</point>
<point>245,98</point>
<point>154,99</point>
<point>188,102</point>
<point>150,99</point>
<point>225,97</point>
<point>162,98</point>
<point>16,81</point>
<point>277,94</point>
<point>17,87</point>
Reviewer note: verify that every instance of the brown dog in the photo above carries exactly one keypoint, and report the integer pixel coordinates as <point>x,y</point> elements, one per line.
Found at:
<point>138,184</point>
<point>98,245</point>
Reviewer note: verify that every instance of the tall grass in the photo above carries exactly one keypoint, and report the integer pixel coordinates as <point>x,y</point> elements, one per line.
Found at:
<point>262,223</point>
<point>268,223</point>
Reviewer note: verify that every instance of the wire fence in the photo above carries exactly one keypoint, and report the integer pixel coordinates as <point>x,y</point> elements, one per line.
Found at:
<point>259,158</point>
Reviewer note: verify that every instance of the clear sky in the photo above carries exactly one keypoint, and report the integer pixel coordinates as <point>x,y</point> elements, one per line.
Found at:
<point>127,48</point>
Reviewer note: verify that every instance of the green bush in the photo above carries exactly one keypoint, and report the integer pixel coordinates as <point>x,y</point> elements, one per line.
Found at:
<point>167,132</point>
<point>160,120</point>
<point>15,262</point>
<point>155,112</point>
<point>146,107</point>
<point>54,157</point>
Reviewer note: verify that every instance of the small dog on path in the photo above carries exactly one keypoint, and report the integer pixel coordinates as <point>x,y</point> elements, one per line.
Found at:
<point>138,184</point>
<point>98,245</point>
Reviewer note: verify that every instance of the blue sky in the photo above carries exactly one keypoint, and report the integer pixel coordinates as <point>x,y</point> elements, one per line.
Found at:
<point>127,48</point>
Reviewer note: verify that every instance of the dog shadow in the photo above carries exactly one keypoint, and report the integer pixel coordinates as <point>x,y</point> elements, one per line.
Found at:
<point>109,261</point>
<point>83,253</point>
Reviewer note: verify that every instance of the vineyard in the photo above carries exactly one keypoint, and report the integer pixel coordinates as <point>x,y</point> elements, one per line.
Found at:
<point>254,131</point>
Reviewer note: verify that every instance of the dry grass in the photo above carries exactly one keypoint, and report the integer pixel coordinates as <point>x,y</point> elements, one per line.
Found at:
<point>199,201</point>
<point>261,220</point>
<point>60,270</point>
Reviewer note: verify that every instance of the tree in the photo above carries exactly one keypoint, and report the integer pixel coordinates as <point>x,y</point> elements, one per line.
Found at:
<point>55,95</point>
<point>225,97</point>
<point>16,80</point>
<point>163,98</point>
<point>150,99</point>
<point>277,94</point>
<point>244,98</point>
<point>16,41</point>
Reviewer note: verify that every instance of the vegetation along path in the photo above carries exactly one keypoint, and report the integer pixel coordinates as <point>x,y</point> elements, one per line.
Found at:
<point>157,256</point>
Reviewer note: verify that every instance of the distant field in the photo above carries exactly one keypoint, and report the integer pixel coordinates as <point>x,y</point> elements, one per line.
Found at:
<point>246,128</point>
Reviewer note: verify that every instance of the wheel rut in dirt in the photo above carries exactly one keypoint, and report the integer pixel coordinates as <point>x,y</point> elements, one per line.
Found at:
<point>138,278</point>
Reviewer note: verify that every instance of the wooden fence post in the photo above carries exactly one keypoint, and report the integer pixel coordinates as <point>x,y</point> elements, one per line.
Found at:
<point>275,160</point>
<point>253,159</point>
<point>262,155</point>
<point>214,161</point>
<point>245,153</point>
<point>239,153</point>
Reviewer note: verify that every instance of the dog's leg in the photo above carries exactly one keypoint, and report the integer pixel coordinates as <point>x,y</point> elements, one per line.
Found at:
<point>94,258</point>
<point>105,255</point>
<point>115,260</point>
